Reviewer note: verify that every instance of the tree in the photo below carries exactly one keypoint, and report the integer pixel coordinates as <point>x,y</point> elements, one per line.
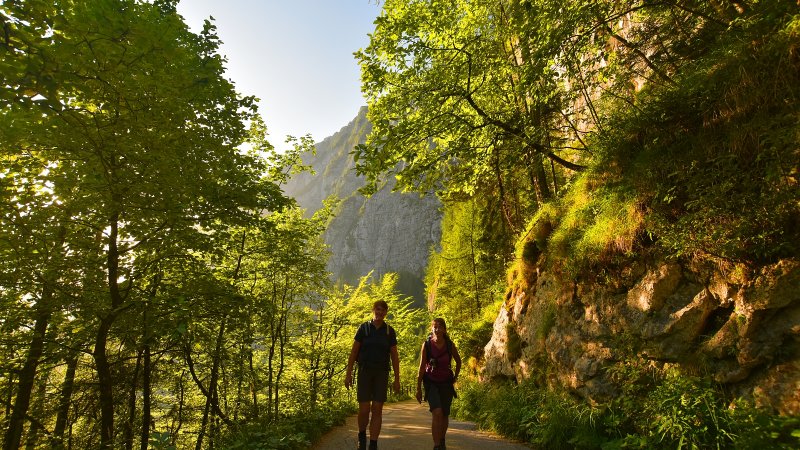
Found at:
<point>447,96</point>
<point>138,133</point>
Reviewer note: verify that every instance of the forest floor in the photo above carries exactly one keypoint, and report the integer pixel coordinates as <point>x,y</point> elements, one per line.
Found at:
<point>407,425</point>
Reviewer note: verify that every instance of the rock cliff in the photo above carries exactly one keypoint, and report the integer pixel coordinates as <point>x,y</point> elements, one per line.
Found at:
<point>742,327</point>
<point>386,232</point>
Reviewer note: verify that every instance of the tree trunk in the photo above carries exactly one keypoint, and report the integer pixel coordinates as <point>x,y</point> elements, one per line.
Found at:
<point>202,388</point>
<point>539,175</point>
<point>254,383</point>
<point>181,396</point>
<point>44,310</point>
<point>105,384</point>
<point>132,403</point>
<point>212,387</point>
<point>27,375</point>
<point>66,397</point>
<point>38,411</point>
<point>271,356</point>
<point>239,387</point>
<point>146,419</point>
<point>282,337</point>
<point>104,379</point>
<point>474,259</point>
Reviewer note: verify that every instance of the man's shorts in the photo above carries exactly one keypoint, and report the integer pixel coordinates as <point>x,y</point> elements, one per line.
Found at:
<point>439,395</point>
<point>373,382</point>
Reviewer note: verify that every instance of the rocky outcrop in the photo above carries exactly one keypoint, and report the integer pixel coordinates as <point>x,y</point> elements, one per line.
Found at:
<point>386,232</point>
<point>743,330</point>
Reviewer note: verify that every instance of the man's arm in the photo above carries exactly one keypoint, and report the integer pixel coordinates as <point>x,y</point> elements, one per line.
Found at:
<point>351,360</point>
<point>395,368</point>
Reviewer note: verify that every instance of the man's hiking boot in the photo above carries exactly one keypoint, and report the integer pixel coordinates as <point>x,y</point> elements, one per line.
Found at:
<point>362,441</point>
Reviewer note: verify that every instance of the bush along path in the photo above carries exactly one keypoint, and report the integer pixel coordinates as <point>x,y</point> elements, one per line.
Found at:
<point>407,425</point>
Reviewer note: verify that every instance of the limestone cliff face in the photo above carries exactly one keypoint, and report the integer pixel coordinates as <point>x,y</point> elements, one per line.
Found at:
<point>742,329</point>
<point>387,232</point>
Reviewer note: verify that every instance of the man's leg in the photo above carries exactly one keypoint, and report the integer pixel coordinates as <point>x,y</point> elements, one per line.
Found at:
<point>377,420</point>
<point>363,421</point>
<point>363,415</point>
<point>381,384</point>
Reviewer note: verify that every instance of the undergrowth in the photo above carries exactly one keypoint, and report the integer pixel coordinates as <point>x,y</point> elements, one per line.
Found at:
<point>676,412</point>
<point>294,432</point>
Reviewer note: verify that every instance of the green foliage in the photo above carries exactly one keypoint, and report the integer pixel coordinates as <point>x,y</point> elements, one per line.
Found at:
<point>682,412</point>
<point>713,155</point>
<point>652,411</point>
<point>547,321</point>
<point>754,428</point>
<point>472,341</point>
<point>513,342</point>
<point>597,220</point>
<point>532,414</point>
<point>675,410</point>
<point>461,276</point>
<point>294,432</point>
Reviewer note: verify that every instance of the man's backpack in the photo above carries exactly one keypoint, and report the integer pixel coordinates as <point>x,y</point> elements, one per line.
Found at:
<point>366,327</point>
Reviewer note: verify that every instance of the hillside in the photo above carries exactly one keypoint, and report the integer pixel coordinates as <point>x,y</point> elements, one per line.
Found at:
<point>385,232</point>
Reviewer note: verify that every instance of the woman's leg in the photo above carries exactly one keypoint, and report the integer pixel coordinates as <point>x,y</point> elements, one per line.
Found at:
<point>437,422</point>
<point>447,395</point>
<point>445,424</point>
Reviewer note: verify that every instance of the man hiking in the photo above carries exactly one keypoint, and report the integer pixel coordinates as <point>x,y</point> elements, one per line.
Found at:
<point>374,345</point>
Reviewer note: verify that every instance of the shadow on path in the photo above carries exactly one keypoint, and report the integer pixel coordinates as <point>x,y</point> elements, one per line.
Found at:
<point>407,426</point>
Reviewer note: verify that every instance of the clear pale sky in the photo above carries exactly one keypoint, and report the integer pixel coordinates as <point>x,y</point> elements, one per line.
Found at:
<point>296,56</point>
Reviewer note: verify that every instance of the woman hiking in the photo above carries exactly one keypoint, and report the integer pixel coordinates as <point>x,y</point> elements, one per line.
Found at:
<point>435,373</point>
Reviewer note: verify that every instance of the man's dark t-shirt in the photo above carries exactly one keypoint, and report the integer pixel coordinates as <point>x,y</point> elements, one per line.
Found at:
<point>375,344</point>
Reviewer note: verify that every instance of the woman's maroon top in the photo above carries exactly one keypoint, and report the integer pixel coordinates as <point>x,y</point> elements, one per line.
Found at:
<point>441,372</point>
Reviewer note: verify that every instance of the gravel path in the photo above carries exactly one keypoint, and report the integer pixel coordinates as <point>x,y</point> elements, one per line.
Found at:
<point>407,426</point>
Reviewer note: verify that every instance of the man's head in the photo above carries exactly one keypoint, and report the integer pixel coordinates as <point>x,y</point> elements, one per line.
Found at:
<point>379,309</point>
<point>381,304</point>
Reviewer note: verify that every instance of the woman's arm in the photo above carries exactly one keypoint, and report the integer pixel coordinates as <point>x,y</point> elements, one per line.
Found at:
<point>421,372</point>
<point>457,358</point>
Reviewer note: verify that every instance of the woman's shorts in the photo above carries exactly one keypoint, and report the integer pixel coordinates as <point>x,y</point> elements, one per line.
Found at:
<point>373,382</point>
<point>439,395</point>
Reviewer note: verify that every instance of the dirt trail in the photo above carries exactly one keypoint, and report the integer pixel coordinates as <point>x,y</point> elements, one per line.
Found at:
<point>407,426</point>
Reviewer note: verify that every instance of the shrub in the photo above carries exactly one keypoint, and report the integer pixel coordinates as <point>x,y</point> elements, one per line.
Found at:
<point>530,413</point>
<point>294,432</point>
<point>666,411</point>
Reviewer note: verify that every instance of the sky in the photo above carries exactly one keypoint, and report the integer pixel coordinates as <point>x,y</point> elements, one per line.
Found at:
<point>295,56</point>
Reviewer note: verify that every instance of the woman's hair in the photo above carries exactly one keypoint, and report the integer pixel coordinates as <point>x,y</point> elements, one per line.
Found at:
<point>380,303</point>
